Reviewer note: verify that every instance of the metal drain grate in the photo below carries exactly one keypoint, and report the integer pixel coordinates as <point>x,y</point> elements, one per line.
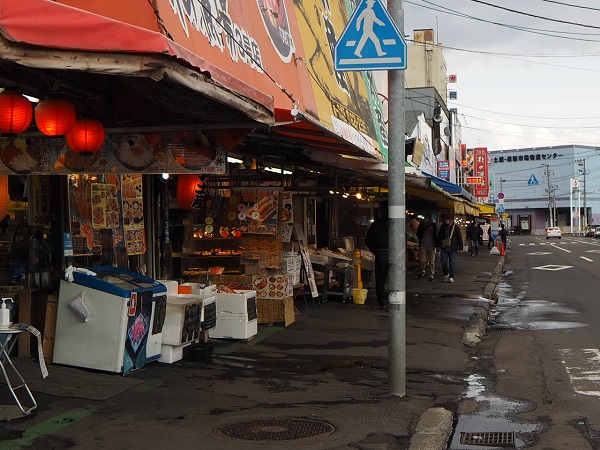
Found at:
<point>275,429</point>
<point>500,439</point>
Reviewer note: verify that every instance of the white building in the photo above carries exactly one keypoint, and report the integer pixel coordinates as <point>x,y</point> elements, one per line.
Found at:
<point>537,184</point>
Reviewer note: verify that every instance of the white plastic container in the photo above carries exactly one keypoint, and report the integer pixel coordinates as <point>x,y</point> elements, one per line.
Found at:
<point>4,313</point>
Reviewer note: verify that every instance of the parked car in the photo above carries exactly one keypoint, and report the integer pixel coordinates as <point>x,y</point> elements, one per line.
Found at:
<point>591,231</point>
<point>553,232</point>
<point>597,232</point>
<point>514,230</point>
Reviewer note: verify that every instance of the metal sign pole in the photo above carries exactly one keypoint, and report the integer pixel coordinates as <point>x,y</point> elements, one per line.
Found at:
<point>397,215</point>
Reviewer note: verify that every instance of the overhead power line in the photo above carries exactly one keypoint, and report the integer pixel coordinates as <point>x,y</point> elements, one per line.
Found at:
<point>536,16</point>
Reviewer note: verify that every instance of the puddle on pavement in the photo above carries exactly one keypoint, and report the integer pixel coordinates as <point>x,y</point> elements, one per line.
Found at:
<point>492,415</point>
<point>518,313</point>
<point>533,315</point>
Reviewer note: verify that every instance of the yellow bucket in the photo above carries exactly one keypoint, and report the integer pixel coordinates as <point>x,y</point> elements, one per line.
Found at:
<point>359,296</point>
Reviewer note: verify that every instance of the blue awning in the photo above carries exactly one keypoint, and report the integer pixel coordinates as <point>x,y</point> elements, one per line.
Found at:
<point>445,185</point>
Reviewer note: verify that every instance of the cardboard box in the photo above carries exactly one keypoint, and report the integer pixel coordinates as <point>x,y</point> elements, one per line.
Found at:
<point>276,286</point>
<point>273,311</point>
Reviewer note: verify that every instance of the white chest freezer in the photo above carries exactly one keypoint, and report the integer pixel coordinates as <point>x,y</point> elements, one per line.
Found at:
<point>237,316</point>
<point>109,321</point>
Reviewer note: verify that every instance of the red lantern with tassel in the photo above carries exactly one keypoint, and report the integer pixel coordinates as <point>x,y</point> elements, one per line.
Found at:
<point>86,136</point>
<point>190,192</point>
<point>55,116</point>
<point>16,113</point>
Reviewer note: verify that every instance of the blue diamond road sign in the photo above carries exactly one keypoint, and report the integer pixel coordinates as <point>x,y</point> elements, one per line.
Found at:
<point>370,41</point>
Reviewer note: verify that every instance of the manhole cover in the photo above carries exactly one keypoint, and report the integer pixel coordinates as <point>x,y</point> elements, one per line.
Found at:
<point>499,439</point>
<point>275,429</point>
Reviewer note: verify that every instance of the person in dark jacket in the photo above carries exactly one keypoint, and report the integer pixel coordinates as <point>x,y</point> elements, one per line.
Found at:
<point>491,239</point>
<point>377,242</point>
<point>474,235</point>
<point>451,242</point>
<point>428,235</point>
<point>503,234</point>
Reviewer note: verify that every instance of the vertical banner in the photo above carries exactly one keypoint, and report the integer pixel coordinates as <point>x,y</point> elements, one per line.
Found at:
<point>443,169</point>
<point>41,201</point>
<point>480,169</point>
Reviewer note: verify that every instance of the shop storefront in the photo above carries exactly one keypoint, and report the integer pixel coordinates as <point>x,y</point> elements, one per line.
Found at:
<point>150,189</point>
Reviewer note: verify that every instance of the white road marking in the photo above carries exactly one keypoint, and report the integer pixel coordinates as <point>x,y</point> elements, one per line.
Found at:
<point>564,250</point>
<point>592,251</point>
<point>587,259</point>
<point>583,367</point>
<point>540,253</point>
<point>552,267</point>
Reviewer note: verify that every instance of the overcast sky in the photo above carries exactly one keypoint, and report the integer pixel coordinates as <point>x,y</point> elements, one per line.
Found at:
<point>523,81</point>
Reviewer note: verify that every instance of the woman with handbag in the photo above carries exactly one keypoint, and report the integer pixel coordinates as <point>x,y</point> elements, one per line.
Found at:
<point>451,243</point>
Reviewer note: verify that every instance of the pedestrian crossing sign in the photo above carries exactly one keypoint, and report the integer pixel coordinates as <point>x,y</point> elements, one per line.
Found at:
<point>532,180</point>
<point>370,41</point>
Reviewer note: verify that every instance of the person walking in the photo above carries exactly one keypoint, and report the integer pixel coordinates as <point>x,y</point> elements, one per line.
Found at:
<point>377,242</point>
<point>503,234</point>
<point>474,234</point>
<point>451,242</point>
<point>490,237</point>
<point>427,232</point>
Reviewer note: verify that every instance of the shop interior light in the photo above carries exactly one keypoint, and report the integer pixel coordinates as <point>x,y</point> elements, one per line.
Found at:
<point>165,176</point>
<point>277,170</point>
<point>233,160</point>
<point>359,195</point>
<point>16,112</point>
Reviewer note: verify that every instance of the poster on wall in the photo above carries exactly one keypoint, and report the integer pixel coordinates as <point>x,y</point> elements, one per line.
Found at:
<point>94,205</point>
<point>105,206</point>
<point>258,212</point>
<point>133,214</point>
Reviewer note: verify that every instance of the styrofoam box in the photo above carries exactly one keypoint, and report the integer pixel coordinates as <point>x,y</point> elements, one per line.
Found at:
<point>234,303</point>
<point>234,326</point>
<point>171,353</point>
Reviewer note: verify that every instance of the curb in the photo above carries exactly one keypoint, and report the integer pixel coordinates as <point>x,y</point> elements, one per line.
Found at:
<point>433,430</point>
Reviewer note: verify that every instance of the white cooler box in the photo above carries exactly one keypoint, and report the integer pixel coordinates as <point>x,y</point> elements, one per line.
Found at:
<point>237,316</point>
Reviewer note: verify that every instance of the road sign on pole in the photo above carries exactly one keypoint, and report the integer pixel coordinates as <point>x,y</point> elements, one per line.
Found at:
<point>370,41</point>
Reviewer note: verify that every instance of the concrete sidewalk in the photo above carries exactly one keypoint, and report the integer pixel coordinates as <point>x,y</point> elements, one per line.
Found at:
<point>321,383</point>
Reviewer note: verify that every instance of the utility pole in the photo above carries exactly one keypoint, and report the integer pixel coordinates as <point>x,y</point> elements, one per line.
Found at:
<point>397,218</point>
<point>581,162</point>
<point>549,191</point>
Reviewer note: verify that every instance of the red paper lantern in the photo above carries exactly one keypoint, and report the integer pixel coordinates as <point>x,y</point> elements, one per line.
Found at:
<point>190,192</point>
<point>16,113</point>
<point>55,116</point>
<point>86,136</point>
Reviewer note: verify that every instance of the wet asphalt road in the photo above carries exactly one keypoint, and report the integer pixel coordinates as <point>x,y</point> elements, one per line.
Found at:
<point>537,371</point>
